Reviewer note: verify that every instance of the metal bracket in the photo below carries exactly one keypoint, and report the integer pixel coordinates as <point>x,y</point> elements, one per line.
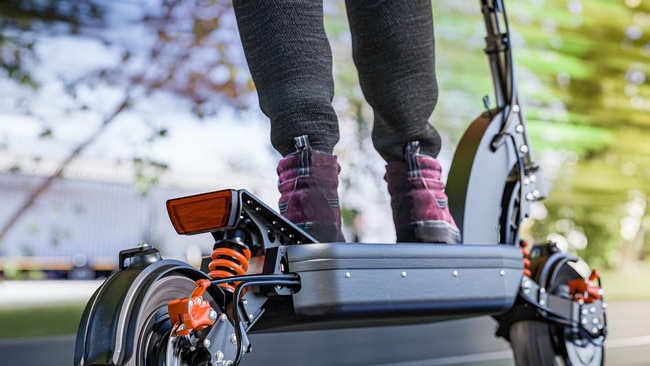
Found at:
<point>221,341</point>
<point>535,303</point>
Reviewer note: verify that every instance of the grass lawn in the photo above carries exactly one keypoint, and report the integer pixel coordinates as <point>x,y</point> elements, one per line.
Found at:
<point>629,285</point>
<point>40,321</point>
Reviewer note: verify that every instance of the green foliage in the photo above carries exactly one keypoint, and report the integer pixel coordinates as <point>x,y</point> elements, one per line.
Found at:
<point>40,321</point>
<point>602,49</point>
<point>582,140</point>
<point>147,173</point>
<point>582,71</point>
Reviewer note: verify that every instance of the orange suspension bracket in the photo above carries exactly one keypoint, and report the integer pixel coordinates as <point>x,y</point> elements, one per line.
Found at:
<point>587,290</point>
<point>193,312</point>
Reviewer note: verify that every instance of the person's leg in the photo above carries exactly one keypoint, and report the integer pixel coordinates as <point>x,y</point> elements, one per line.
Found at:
<point>393,49</point>
<point>290,61</point>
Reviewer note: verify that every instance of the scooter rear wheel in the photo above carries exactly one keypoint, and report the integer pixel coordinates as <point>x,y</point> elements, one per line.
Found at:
<point>153,342</point>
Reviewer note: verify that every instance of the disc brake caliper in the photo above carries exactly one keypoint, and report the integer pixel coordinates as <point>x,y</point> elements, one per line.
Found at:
<point>192,313</point>
<point>588,295</point>
<point>586,290</point>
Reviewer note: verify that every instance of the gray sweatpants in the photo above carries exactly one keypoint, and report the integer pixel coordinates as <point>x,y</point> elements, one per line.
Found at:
<point>290,60</point>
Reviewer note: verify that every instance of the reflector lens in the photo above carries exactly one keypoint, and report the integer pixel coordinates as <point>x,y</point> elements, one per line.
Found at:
<point>204,212</point>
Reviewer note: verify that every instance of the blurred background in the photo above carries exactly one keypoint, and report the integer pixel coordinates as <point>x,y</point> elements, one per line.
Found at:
<point>109,108</point>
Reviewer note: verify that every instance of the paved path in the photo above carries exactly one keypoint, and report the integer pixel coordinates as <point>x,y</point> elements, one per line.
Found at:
<point>461,342</point>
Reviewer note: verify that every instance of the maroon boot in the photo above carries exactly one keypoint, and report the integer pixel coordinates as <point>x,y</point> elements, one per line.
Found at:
<point>308,183</point>
<point>418,199</point>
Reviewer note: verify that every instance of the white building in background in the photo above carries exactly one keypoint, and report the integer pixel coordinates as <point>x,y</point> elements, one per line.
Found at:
<point>88,216</point>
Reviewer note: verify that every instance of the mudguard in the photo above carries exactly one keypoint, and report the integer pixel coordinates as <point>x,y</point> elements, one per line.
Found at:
<point>109,321</point>
<point>479,167</point>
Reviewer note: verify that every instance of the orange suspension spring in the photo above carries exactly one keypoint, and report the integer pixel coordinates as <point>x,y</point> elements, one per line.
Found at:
<point>229,258</point>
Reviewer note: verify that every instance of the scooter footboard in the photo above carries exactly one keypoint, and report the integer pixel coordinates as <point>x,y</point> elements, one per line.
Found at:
<point>354,280</point>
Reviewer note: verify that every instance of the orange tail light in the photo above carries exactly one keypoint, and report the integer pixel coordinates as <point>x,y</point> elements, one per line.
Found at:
<point>204,212</point>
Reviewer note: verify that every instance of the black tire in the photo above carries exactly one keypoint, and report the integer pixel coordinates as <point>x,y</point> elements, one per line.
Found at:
<point>512,216</point>
<point>537,343</point>
<point>532,344</point>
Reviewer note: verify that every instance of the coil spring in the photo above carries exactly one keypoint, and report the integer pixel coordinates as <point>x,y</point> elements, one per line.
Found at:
<point>229,258</point>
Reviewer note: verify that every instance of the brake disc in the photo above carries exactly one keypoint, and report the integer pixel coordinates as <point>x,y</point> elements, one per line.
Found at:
<point>154,342</point>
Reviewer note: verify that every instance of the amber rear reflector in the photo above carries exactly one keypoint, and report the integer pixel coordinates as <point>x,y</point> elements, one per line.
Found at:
<point>204,212</point>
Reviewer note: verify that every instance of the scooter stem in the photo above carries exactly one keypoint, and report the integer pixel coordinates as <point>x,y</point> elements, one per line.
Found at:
<point>498,51</point>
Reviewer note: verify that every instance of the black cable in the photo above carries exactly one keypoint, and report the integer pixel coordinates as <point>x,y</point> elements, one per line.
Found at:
<point>520,165</point>
<point>256,277</point>
<point>235,311</point>
<point>509,66</point>
<point>511,69</point>
<point>510,84</point>
<point>247,281</point>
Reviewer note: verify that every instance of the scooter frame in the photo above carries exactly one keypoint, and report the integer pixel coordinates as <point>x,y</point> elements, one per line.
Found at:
<point>309,285</point>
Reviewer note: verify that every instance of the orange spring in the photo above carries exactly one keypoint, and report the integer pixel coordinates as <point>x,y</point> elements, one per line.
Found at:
<point>228,262</point>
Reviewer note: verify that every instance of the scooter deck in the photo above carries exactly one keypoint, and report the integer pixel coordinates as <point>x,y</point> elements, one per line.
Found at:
<point>357,284</point>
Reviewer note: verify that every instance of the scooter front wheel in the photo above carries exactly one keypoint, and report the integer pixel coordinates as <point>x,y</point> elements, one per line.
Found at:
<point>534,343</point>
<point>539,343</point>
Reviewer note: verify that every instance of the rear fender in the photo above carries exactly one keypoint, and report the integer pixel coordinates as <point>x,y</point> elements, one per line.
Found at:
<point>108,323</point>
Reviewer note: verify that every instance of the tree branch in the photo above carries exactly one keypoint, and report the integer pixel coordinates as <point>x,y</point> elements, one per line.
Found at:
<point>36,193</point>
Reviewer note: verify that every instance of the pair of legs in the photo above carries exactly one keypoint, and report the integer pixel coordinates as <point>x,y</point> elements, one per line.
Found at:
<point>290,60</point>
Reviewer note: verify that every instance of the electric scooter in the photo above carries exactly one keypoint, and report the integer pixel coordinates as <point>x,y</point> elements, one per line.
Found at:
<point>154,311</point>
